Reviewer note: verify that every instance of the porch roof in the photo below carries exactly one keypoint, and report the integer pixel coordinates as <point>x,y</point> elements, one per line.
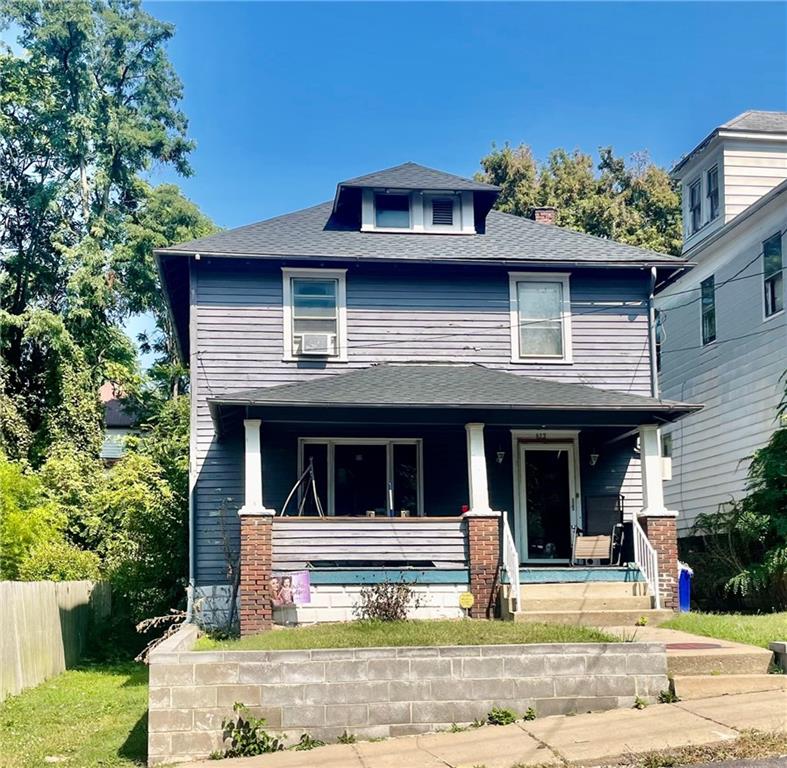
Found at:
<point>447,386</point>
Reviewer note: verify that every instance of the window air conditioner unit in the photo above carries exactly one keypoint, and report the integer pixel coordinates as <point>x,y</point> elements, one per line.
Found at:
<point>317,344</point>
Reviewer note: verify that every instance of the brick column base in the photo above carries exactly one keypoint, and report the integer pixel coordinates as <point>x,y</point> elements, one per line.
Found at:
<point>662,532</point>
<point>483,549</point>
<point>256,612</point>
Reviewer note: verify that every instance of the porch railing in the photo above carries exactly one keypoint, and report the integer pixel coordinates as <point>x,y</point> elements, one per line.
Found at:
<point>647,560</point>
<point>511,563</point>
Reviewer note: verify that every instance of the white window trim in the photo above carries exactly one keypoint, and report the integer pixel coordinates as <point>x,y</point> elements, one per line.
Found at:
<point>340,275</point>
<point>389,442</point>
<point>702,314</point>
<point>420,219</point>
<point>540,277</point>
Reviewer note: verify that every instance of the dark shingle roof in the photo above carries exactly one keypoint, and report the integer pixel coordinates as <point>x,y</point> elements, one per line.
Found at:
<point>755,120</point>
<point>314,233</point>
<point>455,386</point>
<point>414,176</point>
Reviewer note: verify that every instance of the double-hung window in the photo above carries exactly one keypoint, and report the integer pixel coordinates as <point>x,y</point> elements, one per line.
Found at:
<point>314,313</point>
<point>695,205</point>
<point>540,308</point>
<point>712,187</point>
<point>772,275</point>
<point>708,303</point>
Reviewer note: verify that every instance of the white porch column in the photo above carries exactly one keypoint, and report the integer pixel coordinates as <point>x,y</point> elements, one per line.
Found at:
<point>252,502</point>
<point>652,485</point>
<point>476,468</point>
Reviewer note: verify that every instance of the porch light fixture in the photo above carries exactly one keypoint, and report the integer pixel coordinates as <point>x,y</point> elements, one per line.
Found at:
<point>500,456</point>
<point>593,459</point>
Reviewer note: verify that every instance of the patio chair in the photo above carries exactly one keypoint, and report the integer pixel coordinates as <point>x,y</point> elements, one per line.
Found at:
<point>597,548</point>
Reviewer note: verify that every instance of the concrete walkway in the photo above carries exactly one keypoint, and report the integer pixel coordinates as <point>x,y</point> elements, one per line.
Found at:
<point>590,738</point>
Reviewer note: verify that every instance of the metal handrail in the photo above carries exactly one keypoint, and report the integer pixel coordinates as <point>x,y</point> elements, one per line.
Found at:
<point>511,563</point>
<point>647,560</point>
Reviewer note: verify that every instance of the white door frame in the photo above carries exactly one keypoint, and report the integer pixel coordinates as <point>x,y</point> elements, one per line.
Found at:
<point>534,439</point>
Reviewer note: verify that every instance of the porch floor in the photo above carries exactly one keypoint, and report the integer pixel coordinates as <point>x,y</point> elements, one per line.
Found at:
<point>576,575</point>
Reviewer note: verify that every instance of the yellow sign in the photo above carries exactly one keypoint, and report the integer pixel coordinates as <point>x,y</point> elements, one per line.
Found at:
<point>466,601</point>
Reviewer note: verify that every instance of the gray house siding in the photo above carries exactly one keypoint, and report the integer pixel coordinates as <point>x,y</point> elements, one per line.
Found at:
<point>394,314</point>
<point>737,379</point>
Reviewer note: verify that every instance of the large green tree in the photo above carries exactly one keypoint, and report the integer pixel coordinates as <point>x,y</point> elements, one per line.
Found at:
<point>635,202</point>
<point>89,104</point>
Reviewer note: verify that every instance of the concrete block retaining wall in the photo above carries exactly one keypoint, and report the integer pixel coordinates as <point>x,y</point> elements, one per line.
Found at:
<point>380,692</point>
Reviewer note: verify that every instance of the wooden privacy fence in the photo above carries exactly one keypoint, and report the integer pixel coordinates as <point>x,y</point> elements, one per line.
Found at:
<point>44,626</point>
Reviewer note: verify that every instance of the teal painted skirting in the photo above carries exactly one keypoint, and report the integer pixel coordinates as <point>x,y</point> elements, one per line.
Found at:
<point>576,575</point>
<point>375,576</point>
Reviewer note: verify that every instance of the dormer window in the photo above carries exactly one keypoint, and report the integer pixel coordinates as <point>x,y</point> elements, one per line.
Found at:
<point>392,211</point>
<point>712,184</point>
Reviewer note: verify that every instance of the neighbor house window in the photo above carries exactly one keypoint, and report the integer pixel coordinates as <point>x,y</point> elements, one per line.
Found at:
<point>314,313</point>
<point>712,185</point>
<point>392,211</point>
<point>773,275</point>
<point>540,317</point>
<point>695,205</point>
<point>708,301</point>
<point>364,476</point>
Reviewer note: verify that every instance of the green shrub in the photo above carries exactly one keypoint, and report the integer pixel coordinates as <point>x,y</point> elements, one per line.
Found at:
<point>307,742</point>
<point>500,716</point>
<point>27,518</point>
<point>247,735</point>
<point>530,714</point>
<point>59,561</point>
<point>346,738</point>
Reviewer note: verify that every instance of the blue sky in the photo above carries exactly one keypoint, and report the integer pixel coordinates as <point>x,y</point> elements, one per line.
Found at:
<point>284,100</point>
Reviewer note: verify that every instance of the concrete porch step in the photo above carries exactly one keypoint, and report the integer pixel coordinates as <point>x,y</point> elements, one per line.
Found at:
<point>594,618</point>
<point>688,687</point>
<point>589,589</point>
<point>612,602</point>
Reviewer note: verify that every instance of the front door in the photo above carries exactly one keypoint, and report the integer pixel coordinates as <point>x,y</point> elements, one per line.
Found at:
<point>547,487</point>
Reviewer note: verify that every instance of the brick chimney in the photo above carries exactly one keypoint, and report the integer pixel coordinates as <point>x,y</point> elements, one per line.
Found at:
<point>544,215</point>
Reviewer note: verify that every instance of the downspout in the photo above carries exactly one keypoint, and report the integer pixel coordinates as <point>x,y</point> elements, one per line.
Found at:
<point>192,440</point>
<point>654,371</point>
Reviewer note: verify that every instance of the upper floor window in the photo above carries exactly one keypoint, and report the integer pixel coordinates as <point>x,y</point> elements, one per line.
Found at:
<point>773,275</point>
<point>392,211</point>
<point>540,317</point>
<point>314,313</point>
<point>708,302</point>
<point>712,192</point>
<point>695,205</point>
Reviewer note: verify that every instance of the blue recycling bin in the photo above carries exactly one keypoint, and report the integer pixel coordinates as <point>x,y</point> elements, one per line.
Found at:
<point>684,587</point>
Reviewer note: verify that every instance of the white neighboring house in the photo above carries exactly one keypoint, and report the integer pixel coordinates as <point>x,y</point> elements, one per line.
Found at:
<point>722,329</point>
<point>118,424</point>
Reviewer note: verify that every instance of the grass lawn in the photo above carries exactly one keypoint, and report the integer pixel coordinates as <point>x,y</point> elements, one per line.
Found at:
<point>759,629</point>
<point>359,634</point>
<point>92,716</point>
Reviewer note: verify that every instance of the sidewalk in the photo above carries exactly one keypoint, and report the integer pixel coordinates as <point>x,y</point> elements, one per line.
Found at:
<point>590,738</point>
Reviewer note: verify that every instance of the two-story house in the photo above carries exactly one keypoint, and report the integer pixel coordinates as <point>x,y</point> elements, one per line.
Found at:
<point>722,327</point>
<point>444,392</point>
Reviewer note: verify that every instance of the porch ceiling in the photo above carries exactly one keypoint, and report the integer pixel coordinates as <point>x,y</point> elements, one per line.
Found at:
<point>466,387</point>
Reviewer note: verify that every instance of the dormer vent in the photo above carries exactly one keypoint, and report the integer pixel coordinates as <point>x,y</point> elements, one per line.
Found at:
<point>443,212</point>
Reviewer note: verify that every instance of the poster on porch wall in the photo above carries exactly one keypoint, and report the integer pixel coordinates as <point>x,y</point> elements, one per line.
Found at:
<point>290,588</point>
